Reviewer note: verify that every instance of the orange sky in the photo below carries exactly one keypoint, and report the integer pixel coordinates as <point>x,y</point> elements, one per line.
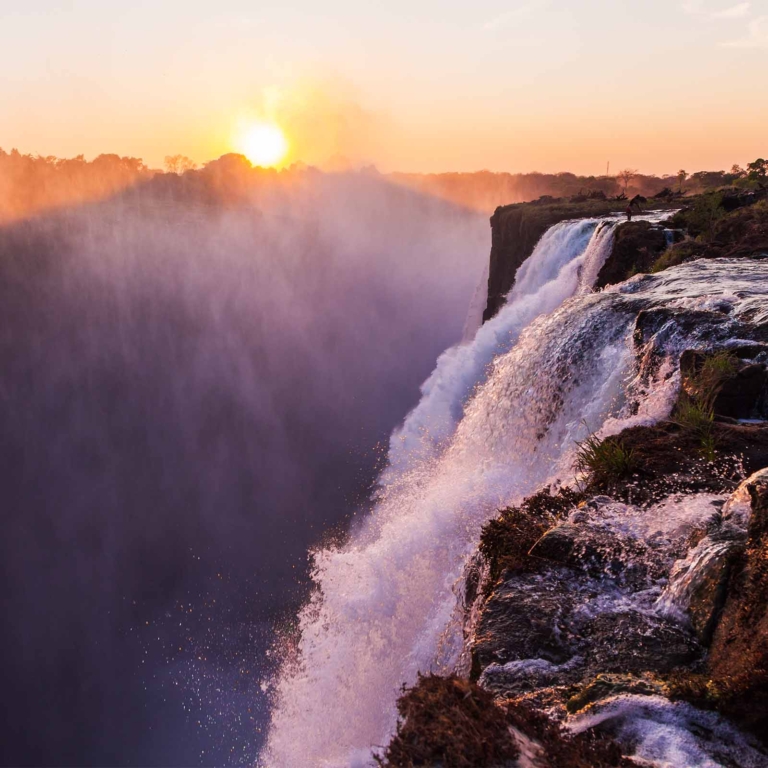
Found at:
<point>426,86</point>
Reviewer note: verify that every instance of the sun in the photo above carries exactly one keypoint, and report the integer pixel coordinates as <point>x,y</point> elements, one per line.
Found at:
<point>264,144</point>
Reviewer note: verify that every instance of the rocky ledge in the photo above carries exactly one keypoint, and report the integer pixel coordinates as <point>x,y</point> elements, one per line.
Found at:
<point>721,224</point>
<point>515,230</point>
<point>624,620</point>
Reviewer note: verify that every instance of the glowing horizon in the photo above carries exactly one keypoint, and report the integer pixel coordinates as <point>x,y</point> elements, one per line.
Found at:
<point>536,85</point>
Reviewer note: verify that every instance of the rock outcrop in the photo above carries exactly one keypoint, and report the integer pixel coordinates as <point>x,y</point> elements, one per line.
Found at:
<point>730,224</point>
<point>631,609</point>
<point>636,247</point>
<point>515,230</point>
<point>738,658</point>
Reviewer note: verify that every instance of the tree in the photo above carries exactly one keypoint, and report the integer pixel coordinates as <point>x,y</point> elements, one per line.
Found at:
<point>681,177</point>
<point>737,171</point>
<point>758,170</point>
<point>627,175</point>
<point>179,164</point>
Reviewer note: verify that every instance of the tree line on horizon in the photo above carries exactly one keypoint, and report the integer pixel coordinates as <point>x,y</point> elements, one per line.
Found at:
<point>485,190</point>
<point>31,184</point>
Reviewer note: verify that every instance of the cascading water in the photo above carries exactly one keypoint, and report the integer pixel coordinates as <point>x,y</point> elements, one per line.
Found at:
<point>564,262</point>
<point>386,607</point>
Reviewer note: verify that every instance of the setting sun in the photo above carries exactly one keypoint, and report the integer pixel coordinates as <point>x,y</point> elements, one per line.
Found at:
<point>264,144</point>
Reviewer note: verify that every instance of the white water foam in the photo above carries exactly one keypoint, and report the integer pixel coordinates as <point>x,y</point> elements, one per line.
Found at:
<point>665,734</point>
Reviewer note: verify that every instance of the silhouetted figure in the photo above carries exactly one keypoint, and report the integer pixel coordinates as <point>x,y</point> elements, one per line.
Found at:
<point>629,213</point>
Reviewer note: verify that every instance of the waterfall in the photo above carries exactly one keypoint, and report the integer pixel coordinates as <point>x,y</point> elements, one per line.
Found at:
<point>550,275</point>
<point>498,419</point>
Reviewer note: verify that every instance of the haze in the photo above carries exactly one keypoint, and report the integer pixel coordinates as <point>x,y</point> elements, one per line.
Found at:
<point>515,86</point>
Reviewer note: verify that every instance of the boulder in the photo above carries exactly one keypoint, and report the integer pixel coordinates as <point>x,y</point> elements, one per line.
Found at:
<point>738,656</point>
<point>526,617</point>
<point>745,395</point>
<point>597,550</point>
<point>635,642</point>
<point>742,392</point>
<point>636,246</point>
<point>698,583</point>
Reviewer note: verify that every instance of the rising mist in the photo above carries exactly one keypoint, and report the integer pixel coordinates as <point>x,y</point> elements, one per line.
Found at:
<point>196,372</point>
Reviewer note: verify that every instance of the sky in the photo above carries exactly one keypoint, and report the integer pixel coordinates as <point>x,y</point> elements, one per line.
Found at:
<point>406,85</point>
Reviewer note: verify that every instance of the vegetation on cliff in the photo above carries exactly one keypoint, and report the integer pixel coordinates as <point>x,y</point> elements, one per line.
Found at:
<point>453,723</point>
<point>714,232</point>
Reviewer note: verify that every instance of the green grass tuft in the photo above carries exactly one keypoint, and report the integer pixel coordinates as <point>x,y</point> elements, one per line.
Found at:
<point>604,462</point>
<point>695,409</point>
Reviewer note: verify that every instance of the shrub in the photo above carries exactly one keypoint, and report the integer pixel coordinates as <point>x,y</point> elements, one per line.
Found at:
<point>604,462</point>
<point>692,415</point>
<point>706,210</point>
<point>677,254</point>
<point>695,409</point>
<point>449,722</point>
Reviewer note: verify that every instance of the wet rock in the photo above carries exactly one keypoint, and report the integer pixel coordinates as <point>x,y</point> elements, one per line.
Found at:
<point>597,550</point>
<point>635,642</point>
<point>657,732</point>
<point>636,246</point>
<point>526,617</point>
<point>698,583</point>
<point>707,329</point>
<point>708,595</point>
<point>604,686</point>
<point>517,677</point>
<point>738,657</point>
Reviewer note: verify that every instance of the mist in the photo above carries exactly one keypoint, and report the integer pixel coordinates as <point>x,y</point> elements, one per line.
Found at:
<point>195,389</point>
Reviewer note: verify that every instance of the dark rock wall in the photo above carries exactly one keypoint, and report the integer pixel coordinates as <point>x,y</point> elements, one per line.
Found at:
<point>738,657</point>
<point>515,230</point>
<point>513,238</point>
<point>636,246</point>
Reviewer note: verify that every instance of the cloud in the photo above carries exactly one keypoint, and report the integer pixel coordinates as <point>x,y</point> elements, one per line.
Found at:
<point>692,6</point>
<point>735,12</point>
<point>508,17</point>
<point>697,8</point>
<point>756,36</point>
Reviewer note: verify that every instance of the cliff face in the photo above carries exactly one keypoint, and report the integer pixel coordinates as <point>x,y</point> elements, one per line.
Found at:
<point>515,230</point>
<point>636,247</point>
<point>513,237</point>
<point>708,226</point>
